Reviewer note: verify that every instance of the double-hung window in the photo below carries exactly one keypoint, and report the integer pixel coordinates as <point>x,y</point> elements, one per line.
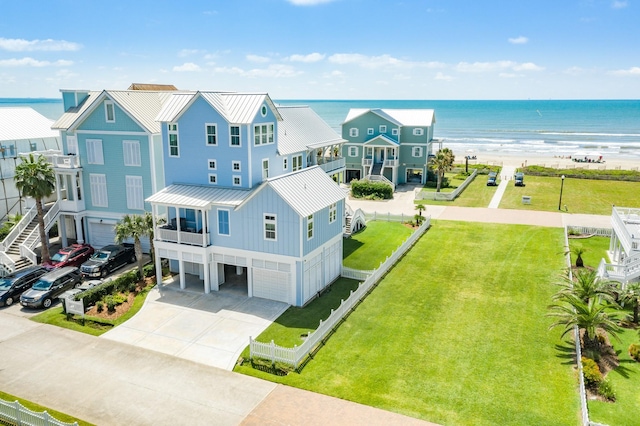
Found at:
<point>135,196</point>
<point>263,134</point>
<point>109,112</point>
<point>223,222</point>
<point>417,151</point>
<point>212,134</point>
<point>353,132</point>
<point>174,146</point>
<point>234,131</point>
<point>297,163</point>
<point>383,128</point>
<point>270,227</point>
<point>333,212</point>
<point>285,163</point>
<point>94,151</point>
<point>265,169</point>
<point>131,153</point>
<point>353,151</point>
<point>418,132</point>
<point>98,184</point>
<point>72,144</point>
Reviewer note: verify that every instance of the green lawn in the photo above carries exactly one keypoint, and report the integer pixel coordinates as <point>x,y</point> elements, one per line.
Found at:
<point>368,248</point>
<point>456,333</point>
<point>454,182</point>
<point>477,194</point>
<point>579,195</point>
<point>596,250</point>
<point>39,409</point>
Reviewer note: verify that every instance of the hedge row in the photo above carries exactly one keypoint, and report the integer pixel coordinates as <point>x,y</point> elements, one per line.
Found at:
<point>371,190</point>
<point>624,175</point>
<point>125,282</point>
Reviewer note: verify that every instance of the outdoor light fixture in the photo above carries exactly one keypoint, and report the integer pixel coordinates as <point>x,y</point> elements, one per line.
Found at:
<point>561,186</point>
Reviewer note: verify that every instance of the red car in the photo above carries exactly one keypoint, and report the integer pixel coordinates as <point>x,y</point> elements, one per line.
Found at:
<point>74,255</point>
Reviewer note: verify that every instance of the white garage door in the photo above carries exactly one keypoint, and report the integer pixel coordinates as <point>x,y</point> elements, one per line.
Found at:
<point>101,234</point>
<point>273,285</point>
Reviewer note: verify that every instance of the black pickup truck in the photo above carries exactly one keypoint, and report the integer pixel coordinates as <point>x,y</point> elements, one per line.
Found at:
<point>108,259</point>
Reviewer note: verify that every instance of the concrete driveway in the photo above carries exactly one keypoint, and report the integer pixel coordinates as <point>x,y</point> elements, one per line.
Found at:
<point>211,329</point>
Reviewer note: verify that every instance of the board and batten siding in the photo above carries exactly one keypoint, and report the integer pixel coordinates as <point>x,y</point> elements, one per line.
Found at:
<point>96,121</point>
<point>323,231</point>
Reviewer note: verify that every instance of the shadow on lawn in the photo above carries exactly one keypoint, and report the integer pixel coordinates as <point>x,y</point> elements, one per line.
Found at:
<point>567,351</point>
<point>349,246</point>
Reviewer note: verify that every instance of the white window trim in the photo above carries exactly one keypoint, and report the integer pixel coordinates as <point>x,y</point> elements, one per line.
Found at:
<point>135,200</point>
<point>98,190</point>
<point>173,132</point>
<point>354,132</point>
<point>383,128</point>
<point>206,134</point>
<point>416,150</point>
<point>333,212</point>
<point>274,221</point>
<point>94,151</point>
<point>215,164</point>
<point>72,144</point>
<point>395,131</point>
<point>298,159</point>
<point>239,136</point>
<point>135,159</point>
<point>271,128</point>
<point>310,223</point>
<point>108,104</point>
<point>370,131</point>
<point>215,178</point>
<point>353,151</point>
<point>285,163</point>
<point>233,164</point>
<point>263,169</point>
<point>418,132</point>
<point>233,180</point>
<point>218,221</point>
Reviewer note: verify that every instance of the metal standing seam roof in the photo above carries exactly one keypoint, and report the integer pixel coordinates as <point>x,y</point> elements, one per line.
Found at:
<point>68,118</point>
<point>383,138</point>
<point>400,117</point>
<point>18,123</point>
<point>302,128</point>
<point>308,190</point>
<point>237,108</point>
<point>196,196</point>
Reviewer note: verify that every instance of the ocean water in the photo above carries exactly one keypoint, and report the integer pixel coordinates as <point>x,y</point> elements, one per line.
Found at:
<point>551,127</point>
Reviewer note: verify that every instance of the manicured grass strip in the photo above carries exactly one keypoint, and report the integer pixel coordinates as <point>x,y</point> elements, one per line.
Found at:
<point>39,408</point>
<point>368,248</point>
<point>596,250</point>
<point>454,183</point>
<point>579,195</point>
<point>93,326</point>
<point>626,383</point>
<point>477,194</point>
<point>456,333</point>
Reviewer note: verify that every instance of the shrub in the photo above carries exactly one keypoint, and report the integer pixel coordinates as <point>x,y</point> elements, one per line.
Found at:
<point>100,306</point>
<point>634,351</point>
<point>114,300</point>
<point>371,190</point>
<point>591,372</point>
<point>605,389</point>
<point>149,270</point>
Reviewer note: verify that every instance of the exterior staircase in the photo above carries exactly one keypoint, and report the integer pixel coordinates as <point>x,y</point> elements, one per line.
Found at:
<point>625,272</point>
<point>376,170</point>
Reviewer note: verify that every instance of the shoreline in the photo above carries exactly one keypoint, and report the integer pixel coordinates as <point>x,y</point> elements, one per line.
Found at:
<point>540,159</point>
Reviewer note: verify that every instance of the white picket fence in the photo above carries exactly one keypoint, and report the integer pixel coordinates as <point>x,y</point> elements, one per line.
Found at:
<point>446,196</point>
<point>588,230</point>
<point>294,356</point>
<point>18,414</point>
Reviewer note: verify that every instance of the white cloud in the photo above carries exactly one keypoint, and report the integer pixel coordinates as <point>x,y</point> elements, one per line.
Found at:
<point>519,40</point>
<point>401,77</point>
<point>311,57</point>
<point>633,71</point>
<point>308,2</point>
<point>30,62</point>
<point>187,67</point>
<point>381,61</point>
<point>49,45</point>
<point>619,4</point>
<point>508,75</point>
<point>258,59</point>
<point>575,71</point>
<point>272,71</point>
<point>187,52</point>
<point>443,77</point>
<point>497,66</point>
<point>334,74</point>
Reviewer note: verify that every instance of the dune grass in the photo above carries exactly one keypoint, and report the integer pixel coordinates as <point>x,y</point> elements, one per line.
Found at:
<point>456,333</point>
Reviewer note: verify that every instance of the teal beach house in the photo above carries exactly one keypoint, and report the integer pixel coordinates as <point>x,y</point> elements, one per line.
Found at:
<point>391,145</point>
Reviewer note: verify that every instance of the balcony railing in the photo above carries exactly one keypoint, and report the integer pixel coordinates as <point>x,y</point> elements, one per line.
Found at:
<point>391,162</point>
<point>182,237</point>
<point>332,165</point>
<point>626,225</point>
<point>59,160</point>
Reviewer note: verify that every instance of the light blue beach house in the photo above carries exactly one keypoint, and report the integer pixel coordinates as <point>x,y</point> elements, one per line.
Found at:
<point>246,197</point>
<point>388,144</point>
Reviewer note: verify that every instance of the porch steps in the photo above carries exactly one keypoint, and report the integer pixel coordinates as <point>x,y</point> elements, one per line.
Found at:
<point>376,170</point>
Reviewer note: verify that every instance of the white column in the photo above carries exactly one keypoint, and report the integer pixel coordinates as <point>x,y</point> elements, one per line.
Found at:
<point>62,230</point>
<point>204,228</point>
<point>158,265</point>
<point>183,283</point>
<point>207,282</point>
<point>79,234</point>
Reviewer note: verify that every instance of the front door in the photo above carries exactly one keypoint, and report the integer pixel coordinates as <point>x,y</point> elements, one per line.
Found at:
<point>381,155</point>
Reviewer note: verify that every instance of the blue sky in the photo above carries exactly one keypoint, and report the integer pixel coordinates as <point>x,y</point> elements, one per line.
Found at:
<point>326,49</point>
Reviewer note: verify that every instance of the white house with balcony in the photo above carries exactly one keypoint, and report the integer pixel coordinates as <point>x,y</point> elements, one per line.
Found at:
<point>624,248</point>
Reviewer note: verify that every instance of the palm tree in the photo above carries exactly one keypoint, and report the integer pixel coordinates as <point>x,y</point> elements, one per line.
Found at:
<point>148,219</point>
<point>420,207</point>
<point>133,226</point>
<point>587,285</point>
<point>35,178</point>
<point>442,162</point>
<point>578,251</point>
<point>588,316</point>
<point>631,294</point>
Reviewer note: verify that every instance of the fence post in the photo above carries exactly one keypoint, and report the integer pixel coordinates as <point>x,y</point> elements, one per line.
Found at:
<point>273,354</point>
<point>18,416</point>
<point>45,417</point>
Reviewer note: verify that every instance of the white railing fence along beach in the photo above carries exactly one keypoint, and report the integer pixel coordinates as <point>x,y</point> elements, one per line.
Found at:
<point>294,356</point>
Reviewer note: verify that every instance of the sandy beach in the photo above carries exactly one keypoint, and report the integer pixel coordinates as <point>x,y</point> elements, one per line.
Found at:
<point>547,161</point>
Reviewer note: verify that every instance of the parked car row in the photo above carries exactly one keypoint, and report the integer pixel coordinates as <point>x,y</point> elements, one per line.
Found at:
<point>38,286</point>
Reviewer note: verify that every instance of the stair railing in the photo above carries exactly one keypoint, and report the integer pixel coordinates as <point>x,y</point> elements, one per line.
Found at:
<point>18,229</point>
<point>7,265</point>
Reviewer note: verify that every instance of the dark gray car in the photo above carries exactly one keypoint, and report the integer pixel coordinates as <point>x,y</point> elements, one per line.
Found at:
<point>107,260</point>
<point>49,286</point>
<point>12,286</point>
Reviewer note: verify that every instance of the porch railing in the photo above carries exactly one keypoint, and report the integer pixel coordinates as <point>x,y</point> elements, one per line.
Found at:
<point>182,237</point>
<point>329,166</point>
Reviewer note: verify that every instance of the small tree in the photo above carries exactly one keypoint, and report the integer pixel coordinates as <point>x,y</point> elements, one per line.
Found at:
<point>578,251</point>
<point>148,218</point>
<point>133,226</point>
<point>420,207</point>
<point>34,177</point>
<point>631,294</point>
<point>586,285</point>
<point>442,162</point>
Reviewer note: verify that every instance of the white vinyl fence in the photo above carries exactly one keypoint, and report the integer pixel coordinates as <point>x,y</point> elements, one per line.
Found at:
<point>17,414</point>
<point>587,230</point>
<point>294,356</point>
<point>446,196</point>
